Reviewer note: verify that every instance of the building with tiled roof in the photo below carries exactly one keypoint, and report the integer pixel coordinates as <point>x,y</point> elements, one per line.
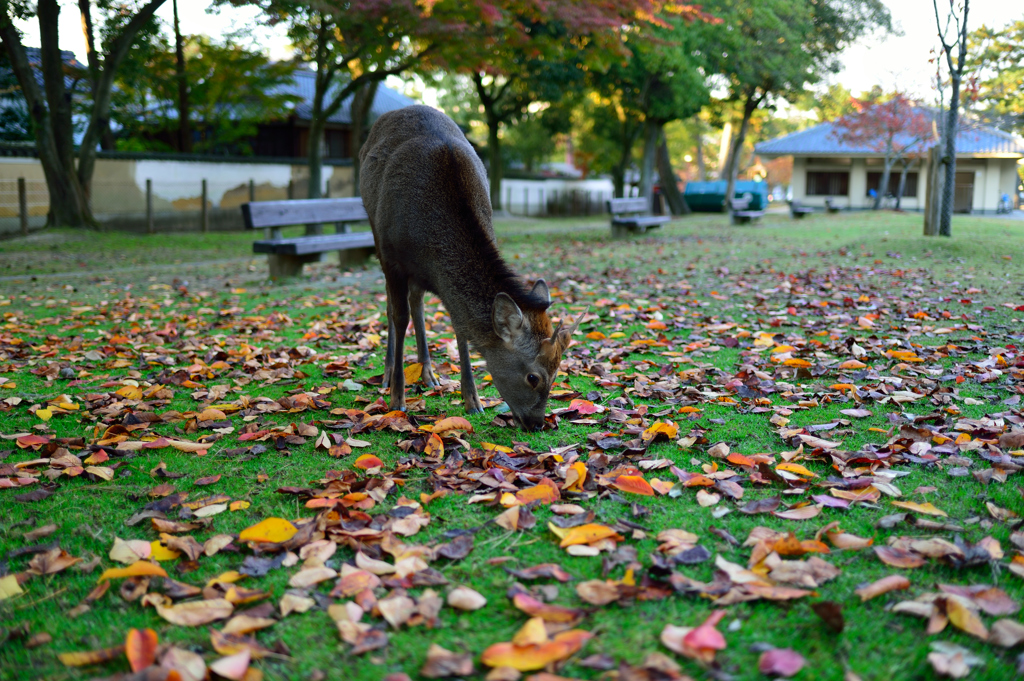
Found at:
<point>988,161</point>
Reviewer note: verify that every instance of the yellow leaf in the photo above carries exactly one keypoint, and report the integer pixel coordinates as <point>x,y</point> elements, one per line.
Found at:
<point>141,568</point>
<point>795,468</point>
<point>272,530</point>
<point>159,552</point>
<point>927,508</point>
<point>9,587</point>
<point>413,373</point>
<point>238,505</point>
<point>44,414</point>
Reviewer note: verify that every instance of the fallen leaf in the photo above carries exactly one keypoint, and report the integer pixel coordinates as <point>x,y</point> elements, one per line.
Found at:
<point>140,648</point>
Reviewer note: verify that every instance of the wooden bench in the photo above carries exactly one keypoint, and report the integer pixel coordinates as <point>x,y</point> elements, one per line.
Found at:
<point>798,211</point>
<point>287,256</point>
<point>741,213</point>
<point>633,216</point>
<point>831,206</point>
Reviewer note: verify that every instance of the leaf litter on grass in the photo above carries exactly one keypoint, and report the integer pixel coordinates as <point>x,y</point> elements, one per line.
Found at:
<point>878,346</point>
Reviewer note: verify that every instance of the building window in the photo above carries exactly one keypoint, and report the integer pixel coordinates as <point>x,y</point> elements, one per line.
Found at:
<point>820,183</point>
<point>909,190</point>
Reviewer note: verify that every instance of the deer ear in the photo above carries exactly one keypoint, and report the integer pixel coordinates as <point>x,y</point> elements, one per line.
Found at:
<point>540,290</point>
<point>507,318</point>
<point>563,336</point>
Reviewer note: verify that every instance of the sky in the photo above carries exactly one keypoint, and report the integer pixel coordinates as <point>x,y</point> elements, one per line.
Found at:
<point>886,60</point>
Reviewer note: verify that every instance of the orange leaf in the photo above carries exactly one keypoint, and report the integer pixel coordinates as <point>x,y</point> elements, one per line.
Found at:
<point>575,476</point>
<point>596,335</point>
<point>797,362</point>
<point>140,568</point>
<point>535,656</point>
<point>634,484</point>
<point>549,613</point>
<point>271,530</point>
<point>739,460</point>
<point>545,492</point>
<point>452,423</point>
<point>368,461</point>
<point>140,648</point>
<point>586,534</point>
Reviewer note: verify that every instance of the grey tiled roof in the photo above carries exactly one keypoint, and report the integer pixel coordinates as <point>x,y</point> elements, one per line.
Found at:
<point>821,140</point>
<point>304,85</point>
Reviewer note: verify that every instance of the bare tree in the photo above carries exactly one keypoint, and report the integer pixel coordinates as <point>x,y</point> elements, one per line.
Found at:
<point>955,19</point>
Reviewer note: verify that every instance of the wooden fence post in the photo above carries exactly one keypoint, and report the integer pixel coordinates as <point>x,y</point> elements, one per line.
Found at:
<point>149,206</point>
<point>23,206</point>
<point>204,218</point>
<point>252,190</point>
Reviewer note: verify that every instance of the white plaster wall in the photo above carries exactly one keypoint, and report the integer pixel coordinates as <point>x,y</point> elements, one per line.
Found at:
<point>530,197</point>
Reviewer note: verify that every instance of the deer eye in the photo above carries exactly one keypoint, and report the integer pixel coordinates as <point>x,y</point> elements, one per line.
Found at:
<point>532,380</point>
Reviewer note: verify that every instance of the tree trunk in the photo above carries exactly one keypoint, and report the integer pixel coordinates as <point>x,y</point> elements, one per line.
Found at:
<point>315,156</point>
<point>733,165</point>
<point>902,186</point>
<point>949,153</point>
<point>625,158</point>
<point>669,184</point>
<point>184,133</point>
<point>933,191</point>
<point>494,172</point>
<point>883,184</point>
<point>362,103</point>
<point>652,133</point>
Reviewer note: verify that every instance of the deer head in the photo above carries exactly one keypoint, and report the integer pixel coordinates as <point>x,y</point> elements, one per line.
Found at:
<point>524,363</point>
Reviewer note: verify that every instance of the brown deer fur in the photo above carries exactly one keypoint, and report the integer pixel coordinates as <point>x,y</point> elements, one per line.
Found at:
<point>426,194</point>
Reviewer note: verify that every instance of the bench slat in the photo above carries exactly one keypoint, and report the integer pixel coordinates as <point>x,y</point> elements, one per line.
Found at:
<point>260,214</point>
<point>314,244</point>
<point>635,205</point>
<point>644,220</point>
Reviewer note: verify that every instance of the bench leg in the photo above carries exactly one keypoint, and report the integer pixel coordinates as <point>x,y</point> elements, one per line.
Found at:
<point>620,232</point>
<point>354,257</point>
<point>284,266</point>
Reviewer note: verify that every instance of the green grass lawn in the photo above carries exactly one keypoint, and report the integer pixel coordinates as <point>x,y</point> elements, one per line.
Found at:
<point>686,310</point>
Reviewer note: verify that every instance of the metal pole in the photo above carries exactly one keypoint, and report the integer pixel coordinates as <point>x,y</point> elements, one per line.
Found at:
<point>508,201</point>
<point>23,206</point>
<point>543,206</point>
<point>149,206</point>
<point>526,201</point>
<point>252,190</point>
<point>205,215</point>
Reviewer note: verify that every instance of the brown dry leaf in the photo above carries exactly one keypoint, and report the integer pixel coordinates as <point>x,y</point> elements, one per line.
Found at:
<point>294,603</point>
<point>396,610</point>
<point>598,592</point>
<point>81,659</point>
<point>882,586</point>
<point>52,561</point>
<point>898,557</point>
<point>190,613</point>
<point>442,663</point>
<point>189,666</point>
<point>233,667</point>
<point>1006,633</point>
<point>245,624</point>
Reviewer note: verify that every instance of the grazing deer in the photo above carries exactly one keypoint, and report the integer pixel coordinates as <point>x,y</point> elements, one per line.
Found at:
<point>425,192</point>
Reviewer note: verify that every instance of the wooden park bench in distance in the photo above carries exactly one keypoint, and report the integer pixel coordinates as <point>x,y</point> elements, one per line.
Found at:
<point>831,206</point>
<point>741,213</point>
<point>798,211</point>
<point>287,256</point>
<point>633,216</point>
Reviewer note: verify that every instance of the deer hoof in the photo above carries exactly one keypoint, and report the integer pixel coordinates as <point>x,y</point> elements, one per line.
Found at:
<point>476,410</point>
<point>429,379</point>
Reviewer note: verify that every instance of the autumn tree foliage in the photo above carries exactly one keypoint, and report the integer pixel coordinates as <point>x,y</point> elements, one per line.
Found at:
<point>69,171</point>
<point>894,127</point>
<point>517,52</point>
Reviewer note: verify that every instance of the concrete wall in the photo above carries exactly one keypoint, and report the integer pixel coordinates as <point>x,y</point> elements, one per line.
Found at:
<point>119,190</point>
<point>993,177</point>
<point>555,196</point>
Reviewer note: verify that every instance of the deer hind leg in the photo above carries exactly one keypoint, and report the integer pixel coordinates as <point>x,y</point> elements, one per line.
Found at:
<point>422,351</point>
<point>469,396</point>
<point>398,321</point>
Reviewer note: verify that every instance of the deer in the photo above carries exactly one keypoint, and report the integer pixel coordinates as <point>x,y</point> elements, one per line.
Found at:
<point>426,195</point>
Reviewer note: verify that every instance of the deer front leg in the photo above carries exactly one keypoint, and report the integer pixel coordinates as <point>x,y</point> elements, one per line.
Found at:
<point>398,321</point>
<point>469,397</point>
<point>422,351</point>
<point>389,356</point>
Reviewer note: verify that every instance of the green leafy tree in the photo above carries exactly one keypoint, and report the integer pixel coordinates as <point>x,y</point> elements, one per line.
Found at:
<point>996,58</point>
<point>50,107</point>
<point>223,115</point>
<point>774,48</point>
<point>352,45</point>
